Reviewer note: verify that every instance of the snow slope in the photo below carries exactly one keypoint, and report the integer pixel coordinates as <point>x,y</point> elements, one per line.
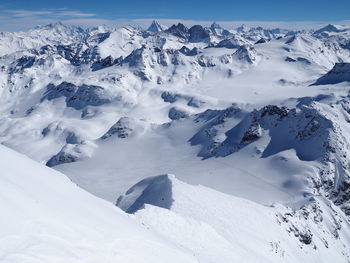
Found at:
<point>47,218</point>
<point>223,228</point>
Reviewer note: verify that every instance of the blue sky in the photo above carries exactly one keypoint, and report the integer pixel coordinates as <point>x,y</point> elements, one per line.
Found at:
<point>19,14</point>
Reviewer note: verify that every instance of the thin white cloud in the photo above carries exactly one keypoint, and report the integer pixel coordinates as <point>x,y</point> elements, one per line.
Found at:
<point>75,14</point>
<point>60,13</point>
<point>22,19</point>
<point>26,13</point>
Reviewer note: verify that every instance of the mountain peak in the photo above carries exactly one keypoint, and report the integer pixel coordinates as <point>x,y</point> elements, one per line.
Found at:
<point>156,27</point>
<point>331,28</point>
<point>243,28</point>
<point>60,27</point>
<point>57,24</point>
<point>179,30</point>
<point>214,26</point>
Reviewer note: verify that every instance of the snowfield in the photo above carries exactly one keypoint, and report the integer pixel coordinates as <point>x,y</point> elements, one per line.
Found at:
<point>253,123</point>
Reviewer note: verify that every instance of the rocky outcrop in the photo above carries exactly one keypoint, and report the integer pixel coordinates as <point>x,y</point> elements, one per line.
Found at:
<point>246,53</point>
<point>77,97</point>
<point>122,128</point>
<point>176,114</point>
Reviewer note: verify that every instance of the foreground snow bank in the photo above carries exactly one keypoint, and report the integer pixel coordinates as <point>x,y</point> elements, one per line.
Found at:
<point>46,218</point>
<point>221,228</point>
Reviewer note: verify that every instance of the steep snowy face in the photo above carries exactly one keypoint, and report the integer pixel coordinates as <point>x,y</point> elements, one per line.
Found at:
<point>46,218</point>
<point>339,73</point>
<point>193,215</point>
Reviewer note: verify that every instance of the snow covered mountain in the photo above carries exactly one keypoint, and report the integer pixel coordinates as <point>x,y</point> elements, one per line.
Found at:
<point>259,118</point>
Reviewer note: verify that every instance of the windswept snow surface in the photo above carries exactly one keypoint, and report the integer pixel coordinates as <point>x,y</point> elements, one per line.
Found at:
<point>46,218</point>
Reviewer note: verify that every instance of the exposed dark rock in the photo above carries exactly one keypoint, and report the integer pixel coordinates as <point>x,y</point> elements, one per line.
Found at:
<point>77,97</point>
<point>122,129</point>
<point>105,63</point>
<point>246,53</point>
<point>179,30</point>
<point>176,114</point>
<point>198,34</point>
<point>261,41</point>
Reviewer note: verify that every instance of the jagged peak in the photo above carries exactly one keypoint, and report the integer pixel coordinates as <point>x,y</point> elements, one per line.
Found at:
<point>178,26</point>
<point>156,27</point>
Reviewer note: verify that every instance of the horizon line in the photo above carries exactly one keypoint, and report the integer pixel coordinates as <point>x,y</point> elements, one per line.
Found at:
<point>145,22</point>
